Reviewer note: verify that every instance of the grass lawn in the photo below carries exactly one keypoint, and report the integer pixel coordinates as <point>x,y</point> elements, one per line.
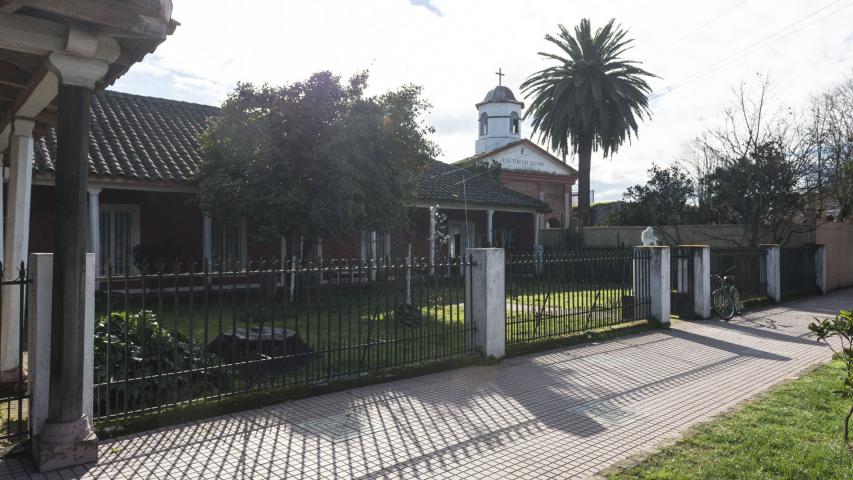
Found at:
<point>792,432</point>
<point>355,320</point>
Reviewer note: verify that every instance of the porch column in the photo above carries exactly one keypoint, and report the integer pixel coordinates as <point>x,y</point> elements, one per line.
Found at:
<point>16,242</point>
<point>67,437</point>
<point>95,225</point>
<point>489,227</point>
<point>536,230</point>
<point>567,205</point>
<point>207,240</point>
<point>432,212</point>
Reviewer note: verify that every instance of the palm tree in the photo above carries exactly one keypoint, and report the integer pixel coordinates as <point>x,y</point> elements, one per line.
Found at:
<point>591,99</point>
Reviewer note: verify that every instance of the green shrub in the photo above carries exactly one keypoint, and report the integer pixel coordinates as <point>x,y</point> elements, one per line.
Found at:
<point>840,327</point>
<point>130,347</point>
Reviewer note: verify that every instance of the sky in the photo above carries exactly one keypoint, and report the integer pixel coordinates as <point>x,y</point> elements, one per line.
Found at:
<point>700,51</point>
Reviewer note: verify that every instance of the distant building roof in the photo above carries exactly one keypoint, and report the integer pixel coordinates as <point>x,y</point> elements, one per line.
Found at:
<point>153,140</point>
<point>443,182</point>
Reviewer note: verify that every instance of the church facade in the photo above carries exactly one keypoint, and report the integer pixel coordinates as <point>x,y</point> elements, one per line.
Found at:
<point>525,167</point>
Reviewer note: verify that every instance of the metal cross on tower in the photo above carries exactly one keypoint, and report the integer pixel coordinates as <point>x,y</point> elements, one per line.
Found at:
<point>499,74</point>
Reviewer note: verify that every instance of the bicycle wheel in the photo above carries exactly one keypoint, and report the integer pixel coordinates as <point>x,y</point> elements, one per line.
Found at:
<point>723,305</point>
<point>738,306</point>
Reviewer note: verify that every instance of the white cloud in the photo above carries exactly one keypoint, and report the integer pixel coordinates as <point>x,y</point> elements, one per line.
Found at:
<point>454,56</point>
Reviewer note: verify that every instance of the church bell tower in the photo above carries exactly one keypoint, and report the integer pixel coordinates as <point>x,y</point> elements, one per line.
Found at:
<point>499,119</point>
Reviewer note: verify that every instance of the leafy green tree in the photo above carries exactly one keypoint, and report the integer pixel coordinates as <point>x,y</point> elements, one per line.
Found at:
<point>840,327</point>
<point>591,99</point>
<point>317,158</point>
<point>663,200</point>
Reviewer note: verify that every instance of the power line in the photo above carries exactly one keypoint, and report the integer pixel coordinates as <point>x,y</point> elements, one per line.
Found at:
<point>699,28</point>
<point>741,53</point>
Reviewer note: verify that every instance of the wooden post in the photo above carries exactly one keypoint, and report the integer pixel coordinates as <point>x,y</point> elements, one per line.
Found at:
<point>67,438</point>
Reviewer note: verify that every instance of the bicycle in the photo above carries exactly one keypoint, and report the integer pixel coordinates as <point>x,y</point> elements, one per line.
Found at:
<point>725,298</point>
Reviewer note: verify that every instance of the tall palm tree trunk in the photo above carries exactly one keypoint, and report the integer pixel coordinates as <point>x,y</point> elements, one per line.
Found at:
<point>584,167</point>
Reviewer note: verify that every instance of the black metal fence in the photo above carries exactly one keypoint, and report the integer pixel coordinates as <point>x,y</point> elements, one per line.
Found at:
<point>554,295</point>
<point>14,394</point>
<point>797,270</point>
<point>748,266</point>
<point>177,333</point>
<point>681,273</point>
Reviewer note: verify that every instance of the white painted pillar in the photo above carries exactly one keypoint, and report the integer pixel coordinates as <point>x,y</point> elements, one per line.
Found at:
<point>702,281</point>
<point>535,230</point>
<point>659,283</point>
<point>40,306</point>
<point>432,221</point>
<point>373,255</point>
<point>490,227</point>
<point>773,274</point>
<point>820,268</point>
<point>485,292</point>
<point>2,189</point>
<point>282,259</point>
<point>95,225</point>
<point>16,242</point>
<point>207,241</point>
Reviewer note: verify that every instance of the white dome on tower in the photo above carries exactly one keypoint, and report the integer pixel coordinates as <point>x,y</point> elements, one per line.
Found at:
<point>499,119</point>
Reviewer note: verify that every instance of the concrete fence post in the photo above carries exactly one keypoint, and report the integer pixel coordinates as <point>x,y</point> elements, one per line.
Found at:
<point>40,306</point>
<point>772,272</point>
<point>820,268</point>
<point>485,295</point>
<point>701,280</point>
<point>659,283</point>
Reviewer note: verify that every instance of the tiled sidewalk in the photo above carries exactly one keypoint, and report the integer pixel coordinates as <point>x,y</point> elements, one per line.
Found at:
<point>559,414</point>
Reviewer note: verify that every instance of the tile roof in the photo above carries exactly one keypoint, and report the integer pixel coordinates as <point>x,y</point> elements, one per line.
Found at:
<point>149,139</point>
<point>443,182</point>
<point>137,138</point>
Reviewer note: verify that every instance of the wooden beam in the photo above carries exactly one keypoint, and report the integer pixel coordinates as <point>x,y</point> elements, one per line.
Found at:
<point>149,18</point>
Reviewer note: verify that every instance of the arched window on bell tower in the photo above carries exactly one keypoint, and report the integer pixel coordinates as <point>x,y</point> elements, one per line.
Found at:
<point>484,124</point>
<point>514,124</point>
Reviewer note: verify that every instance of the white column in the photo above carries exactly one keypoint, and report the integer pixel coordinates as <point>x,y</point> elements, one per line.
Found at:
<point>38,339</point>
<point>432,220</point>
<point>2,189</point>
<point>490,227</point>
<point>773,275</point>
<point>567,205</point>
<point>207,240</point>
<point>702,281</point>
<point>535,230</point>
<point>373,255</point>
<point>486,294</point>
<point>659,284</point>
<point>16,242</point>
<point>95,225</point>
<point>820,267</point>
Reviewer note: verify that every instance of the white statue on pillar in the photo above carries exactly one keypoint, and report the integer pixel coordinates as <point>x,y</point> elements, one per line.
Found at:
<point>648,237</point>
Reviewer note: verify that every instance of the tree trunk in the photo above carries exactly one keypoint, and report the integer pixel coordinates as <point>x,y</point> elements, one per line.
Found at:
<point>847,427</point>
<point>584,167</point>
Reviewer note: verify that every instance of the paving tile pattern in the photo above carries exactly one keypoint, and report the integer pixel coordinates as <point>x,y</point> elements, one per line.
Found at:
<point>560,414</point>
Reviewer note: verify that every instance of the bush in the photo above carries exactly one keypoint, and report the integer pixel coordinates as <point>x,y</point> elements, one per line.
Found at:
<point>133,346</point>
<point>841,327</point>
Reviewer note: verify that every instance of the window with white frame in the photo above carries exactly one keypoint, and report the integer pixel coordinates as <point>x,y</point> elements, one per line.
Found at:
<point>382,242</point>
<point>119,234</point>
<point>228,243</point>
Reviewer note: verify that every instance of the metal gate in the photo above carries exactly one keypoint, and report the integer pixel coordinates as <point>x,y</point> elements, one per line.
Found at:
<point>14,394</point>
<point>681,282</point>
